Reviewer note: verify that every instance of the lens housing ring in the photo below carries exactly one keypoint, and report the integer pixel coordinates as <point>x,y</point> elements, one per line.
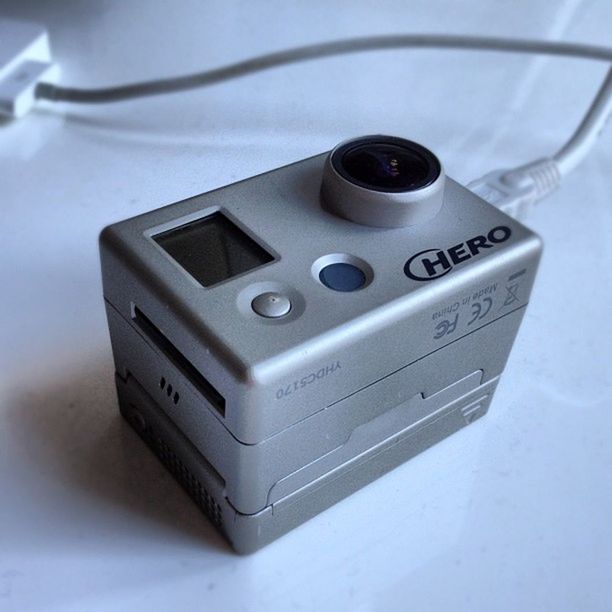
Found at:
<point>380,202</point>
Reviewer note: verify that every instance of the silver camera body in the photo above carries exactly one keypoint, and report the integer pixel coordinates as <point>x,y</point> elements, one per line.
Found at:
<point>285,340</point>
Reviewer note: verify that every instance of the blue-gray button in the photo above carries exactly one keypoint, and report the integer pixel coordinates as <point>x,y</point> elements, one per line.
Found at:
<point>342,277</point>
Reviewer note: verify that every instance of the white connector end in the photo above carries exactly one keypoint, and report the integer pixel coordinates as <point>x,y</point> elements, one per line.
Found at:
<point>516,191</point>
<point>25,60</point>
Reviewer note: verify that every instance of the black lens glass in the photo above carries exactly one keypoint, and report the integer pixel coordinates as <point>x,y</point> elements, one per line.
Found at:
<point>386,163</point>
<point>386,166</point>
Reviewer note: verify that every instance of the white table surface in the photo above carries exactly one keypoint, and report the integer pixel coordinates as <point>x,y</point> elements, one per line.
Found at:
<point>512,513</point>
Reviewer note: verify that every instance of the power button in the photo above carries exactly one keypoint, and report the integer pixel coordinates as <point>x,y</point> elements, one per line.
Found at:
<point>271,305</point>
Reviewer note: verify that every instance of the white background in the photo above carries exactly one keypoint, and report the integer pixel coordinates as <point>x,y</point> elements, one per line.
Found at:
<point>512,513</point>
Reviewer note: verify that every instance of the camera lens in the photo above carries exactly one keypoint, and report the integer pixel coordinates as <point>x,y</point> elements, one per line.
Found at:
<point>386,164</point>
<point>382,181</point>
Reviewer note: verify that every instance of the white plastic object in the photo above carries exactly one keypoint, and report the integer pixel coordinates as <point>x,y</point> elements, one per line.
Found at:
<point>517,190</point>
<point>25,60</point>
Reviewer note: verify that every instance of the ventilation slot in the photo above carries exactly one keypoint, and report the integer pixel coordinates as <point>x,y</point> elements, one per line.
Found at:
<point>162,385</point>
<point>189,482</point>
<point>162,437</point>
<point>180,362</point>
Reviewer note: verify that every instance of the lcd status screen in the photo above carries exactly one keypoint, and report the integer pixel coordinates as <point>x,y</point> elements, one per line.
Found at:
<point>213,249</point>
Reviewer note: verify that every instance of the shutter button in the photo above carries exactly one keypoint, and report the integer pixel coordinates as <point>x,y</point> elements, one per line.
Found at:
<point>271,305</point>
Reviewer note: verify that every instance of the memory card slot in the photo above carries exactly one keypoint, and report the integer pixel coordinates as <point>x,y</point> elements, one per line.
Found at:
<point>172,353</point>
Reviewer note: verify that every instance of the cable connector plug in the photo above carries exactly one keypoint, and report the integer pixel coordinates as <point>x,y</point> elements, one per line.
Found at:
<point>516,191</point>
<point>25,60</point>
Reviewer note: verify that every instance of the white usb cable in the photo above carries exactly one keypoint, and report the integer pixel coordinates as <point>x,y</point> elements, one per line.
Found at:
<point>517,190</point>
<point>514,190</point>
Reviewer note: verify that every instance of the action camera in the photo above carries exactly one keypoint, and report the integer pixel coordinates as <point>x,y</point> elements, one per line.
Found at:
<point>283,341</point>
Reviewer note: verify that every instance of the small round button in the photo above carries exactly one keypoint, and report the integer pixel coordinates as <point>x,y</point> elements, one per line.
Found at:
<point>271,305</point>
<point>342,277</point>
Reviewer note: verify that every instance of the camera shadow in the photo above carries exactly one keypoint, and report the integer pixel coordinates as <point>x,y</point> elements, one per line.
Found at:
<point>78,468</point>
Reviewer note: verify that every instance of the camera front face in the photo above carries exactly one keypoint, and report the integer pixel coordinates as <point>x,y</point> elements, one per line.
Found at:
<point>277,357</point>
<point>383,181</point>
